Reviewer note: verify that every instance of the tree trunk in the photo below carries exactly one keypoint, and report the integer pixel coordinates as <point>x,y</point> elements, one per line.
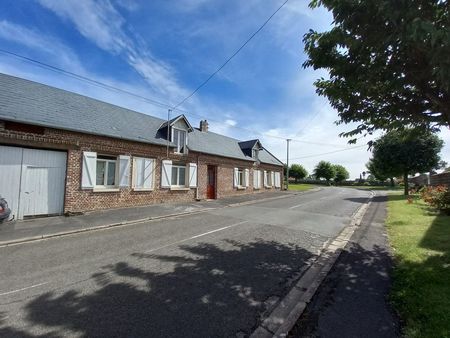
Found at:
<point>405,182</point>
<point>392,181</point>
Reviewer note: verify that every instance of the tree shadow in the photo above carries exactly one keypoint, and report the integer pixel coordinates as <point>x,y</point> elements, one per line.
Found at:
<point>205,290</point>
<point>352,299</point>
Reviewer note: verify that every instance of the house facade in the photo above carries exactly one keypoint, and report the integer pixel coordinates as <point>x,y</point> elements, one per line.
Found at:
<point>63,153</point>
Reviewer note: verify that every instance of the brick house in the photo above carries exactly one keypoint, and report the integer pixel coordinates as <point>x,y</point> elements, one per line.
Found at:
<point>61,152</point>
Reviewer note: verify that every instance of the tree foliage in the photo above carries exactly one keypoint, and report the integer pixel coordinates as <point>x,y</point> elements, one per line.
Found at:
<point>388,63</point>
<point>400,153</point>
<point>340,173</point>
<point>324,170</point>
<point>298,172</point>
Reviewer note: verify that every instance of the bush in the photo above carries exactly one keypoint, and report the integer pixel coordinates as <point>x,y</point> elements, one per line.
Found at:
<point>438,197</point>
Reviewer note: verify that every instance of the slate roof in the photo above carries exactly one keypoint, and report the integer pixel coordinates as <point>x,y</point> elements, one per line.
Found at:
<point>34,103</point>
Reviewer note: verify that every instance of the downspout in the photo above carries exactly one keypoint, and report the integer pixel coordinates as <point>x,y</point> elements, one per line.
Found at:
<point>198,181</point>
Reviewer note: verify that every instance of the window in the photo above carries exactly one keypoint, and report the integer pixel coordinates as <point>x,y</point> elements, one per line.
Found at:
<point>179,138</point>
<point>105,171</point>
<point>255,153</point>
<point>143,171</point>
<point>268,178</point>
<point>240,176</point>
<point>178,175</point>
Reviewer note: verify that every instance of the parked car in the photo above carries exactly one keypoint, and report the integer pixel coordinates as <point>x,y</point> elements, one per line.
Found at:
<point>4,210</point>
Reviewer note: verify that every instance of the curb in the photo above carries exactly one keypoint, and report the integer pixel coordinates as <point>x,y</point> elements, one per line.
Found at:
<point>137,221</point>
<point>285,315</point>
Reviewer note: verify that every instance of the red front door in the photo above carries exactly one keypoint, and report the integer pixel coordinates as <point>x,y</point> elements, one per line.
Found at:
<point>211,185</point>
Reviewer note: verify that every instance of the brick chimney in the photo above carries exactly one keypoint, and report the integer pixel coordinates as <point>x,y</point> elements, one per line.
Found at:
<point>204,126</point>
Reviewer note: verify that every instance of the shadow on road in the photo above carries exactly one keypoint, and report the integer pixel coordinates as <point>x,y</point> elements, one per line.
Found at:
<point>209,291</point>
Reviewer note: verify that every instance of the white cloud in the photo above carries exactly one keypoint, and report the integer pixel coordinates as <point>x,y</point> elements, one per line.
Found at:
<point>60,53</point>
<point>102,24</point>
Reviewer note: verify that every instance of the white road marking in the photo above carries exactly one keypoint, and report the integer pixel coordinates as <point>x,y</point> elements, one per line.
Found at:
<point>196,236</point>
<point>22,289</point>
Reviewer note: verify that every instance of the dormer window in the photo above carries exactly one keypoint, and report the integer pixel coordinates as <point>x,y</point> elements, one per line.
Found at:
<point>179,139</point>
<point>255,153</point>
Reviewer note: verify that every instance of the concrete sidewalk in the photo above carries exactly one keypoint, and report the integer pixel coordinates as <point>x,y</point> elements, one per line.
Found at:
<point>38,228</point>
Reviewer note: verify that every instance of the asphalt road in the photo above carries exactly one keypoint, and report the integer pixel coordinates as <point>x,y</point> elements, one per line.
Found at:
<point>211,274</point>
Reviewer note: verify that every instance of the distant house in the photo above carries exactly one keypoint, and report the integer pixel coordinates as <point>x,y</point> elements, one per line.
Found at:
<point>61,152</point>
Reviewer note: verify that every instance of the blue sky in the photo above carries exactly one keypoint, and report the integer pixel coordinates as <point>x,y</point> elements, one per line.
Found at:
<point>165,49</point>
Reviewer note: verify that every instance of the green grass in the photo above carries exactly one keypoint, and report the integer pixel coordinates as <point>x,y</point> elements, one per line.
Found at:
<point>376,187</point>
<point>420,238</point>
<point>301,187</point>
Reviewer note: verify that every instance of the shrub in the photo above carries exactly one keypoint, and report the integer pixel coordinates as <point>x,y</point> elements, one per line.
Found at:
<point>438,197</point>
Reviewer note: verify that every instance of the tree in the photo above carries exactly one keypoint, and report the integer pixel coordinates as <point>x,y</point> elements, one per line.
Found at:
<point>341,174</point>
<point>377,170</point>
<point>298,172</point>
<point>324,170</point>
<point>400,153</point>
<point>388,63</point>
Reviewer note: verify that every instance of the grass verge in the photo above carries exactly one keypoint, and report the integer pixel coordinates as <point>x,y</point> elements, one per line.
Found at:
<point>377,187</point>
<point>420,238</point>
<point>301,187</point>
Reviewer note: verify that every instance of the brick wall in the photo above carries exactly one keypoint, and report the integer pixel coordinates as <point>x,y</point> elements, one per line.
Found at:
<point>81,200</point>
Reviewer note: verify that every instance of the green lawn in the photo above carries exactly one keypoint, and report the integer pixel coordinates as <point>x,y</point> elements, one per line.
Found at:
<point>301,187</point>
<point>376,187</point>
<point>421,280</point>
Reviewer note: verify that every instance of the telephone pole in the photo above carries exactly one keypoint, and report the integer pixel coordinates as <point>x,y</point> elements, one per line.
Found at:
<point>287,163</point>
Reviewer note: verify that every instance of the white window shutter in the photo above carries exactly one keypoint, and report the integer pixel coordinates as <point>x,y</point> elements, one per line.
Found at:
<point>124,170</point>
<point>265,179</point>
<point>247,175</point>
<point>166,174</point>
<point>89,169</point>
<point>255,179</point>
<point>149,167</point>
<point>192,175</point>
<point>235,177</point>
<point>273,178</point>
<point>277,180</point>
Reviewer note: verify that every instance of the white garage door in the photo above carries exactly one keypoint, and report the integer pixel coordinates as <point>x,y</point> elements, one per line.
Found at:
<point>32,180</point>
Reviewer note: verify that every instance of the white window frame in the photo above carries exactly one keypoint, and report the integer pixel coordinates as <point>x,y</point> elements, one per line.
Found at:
<point>186,173</point>
<point>105,179</point>
<point>241,177</point>
<point>134,177</point>
<point>178,145</point>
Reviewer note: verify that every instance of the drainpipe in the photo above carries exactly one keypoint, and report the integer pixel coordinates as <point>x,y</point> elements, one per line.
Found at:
<point>198,181</point>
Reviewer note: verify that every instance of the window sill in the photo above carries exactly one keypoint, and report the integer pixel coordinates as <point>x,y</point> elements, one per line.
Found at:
<point>180,188</point>
<point>106,190</point>
<point>143,189</point>
<point>241,188</point>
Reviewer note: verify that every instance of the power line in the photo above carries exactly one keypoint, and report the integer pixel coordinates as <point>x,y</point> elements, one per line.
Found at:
<point>328,153</point>
<point>86,79</point>
<point>231,57</point>
<point>145,99</point>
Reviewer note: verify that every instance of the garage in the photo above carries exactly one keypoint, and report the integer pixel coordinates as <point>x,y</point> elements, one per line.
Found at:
<point>32,181</point>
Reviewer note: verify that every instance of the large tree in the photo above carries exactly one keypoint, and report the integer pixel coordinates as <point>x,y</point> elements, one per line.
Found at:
<point>400,153</point>
<point>388,63</point>
<point>324,170</point>
<point>298,172</point>
<point>341,173</point>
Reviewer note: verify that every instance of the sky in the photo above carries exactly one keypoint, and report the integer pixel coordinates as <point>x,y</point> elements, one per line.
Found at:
<point>163,50</point>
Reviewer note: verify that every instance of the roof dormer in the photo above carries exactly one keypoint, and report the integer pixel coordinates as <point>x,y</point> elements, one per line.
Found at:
<point>251,148</point>
<point>176,131</point>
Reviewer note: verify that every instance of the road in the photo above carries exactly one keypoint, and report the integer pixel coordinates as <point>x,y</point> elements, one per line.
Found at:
<point>211,274</point>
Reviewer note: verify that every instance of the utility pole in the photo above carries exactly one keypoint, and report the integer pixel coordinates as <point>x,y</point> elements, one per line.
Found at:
<point>287,164</point>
